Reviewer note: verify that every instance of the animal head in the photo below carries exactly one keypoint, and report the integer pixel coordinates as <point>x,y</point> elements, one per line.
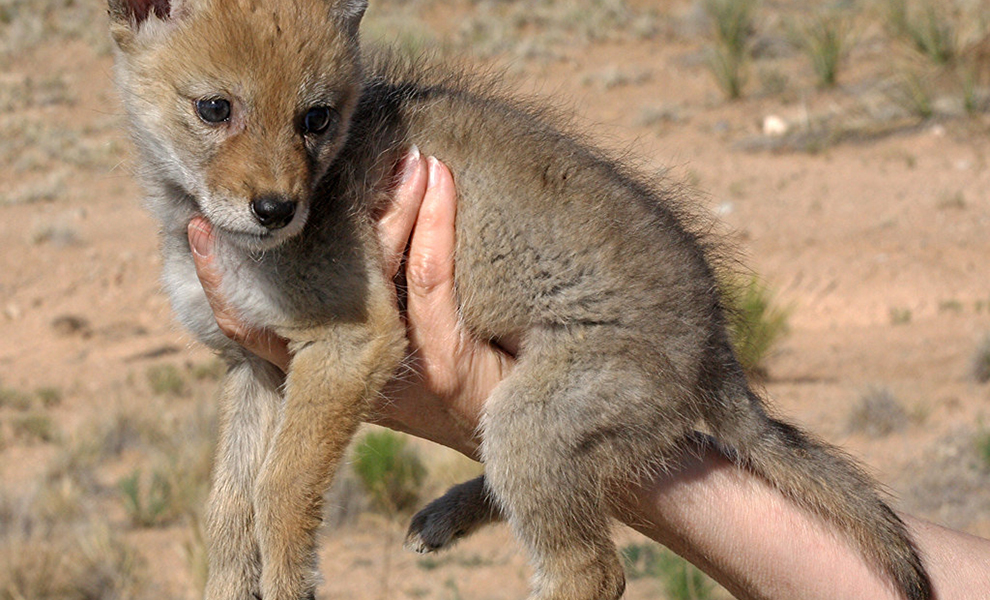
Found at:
<point>239,106</point>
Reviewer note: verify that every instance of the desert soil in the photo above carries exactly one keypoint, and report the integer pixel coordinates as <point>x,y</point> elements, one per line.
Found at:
<point>878,244</point>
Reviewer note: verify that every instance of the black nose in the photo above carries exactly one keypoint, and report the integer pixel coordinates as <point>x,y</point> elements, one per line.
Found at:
<point>273,212</point>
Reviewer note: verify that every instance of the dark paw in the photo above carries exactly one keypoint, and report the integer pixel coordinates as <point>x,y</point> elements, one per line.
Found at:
<point>459,512</point>
<point>431,530</point>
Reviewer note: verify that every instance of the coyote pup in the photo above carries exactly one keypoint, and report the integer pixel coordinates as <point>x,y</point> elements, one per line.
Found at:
<point>263,116</point>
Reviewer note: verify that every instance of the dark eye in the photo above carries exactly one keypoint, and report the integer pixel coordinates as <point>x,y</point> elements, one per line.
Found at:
<point>213,110</point>
<point>317,120</point>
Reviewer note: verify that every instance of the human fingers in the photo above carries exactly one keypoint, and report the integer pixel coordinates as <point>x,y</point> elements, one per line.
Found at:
<point>434,331</point>
<point>397,223</point>
<point>458,370</point>
<point>262,342</point>
<point>455,372</point>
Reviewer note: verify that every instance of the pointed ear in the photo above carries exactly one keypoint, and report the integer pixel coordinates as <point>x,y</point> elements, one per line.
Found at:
<point>349,13</point>
<point>127,16</point>
<point>135,12</point>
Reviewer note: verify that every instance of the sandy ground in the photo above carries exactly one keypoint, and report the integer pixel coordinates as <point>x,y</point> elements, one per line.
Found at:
<point>879,246</point>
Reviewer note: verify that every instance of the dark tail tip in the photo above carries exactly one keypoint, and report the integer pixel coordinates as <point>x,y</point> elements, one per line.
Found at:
<point>826,482</point>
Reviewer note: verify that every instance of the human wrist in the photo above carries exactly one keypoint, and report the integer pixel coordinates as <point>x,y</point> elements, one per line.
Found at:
<point>958,563</point>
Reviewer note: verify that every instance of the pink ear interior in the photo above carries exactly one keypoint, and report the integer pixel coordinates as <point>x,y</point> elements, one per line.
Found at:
<point>142,9</point>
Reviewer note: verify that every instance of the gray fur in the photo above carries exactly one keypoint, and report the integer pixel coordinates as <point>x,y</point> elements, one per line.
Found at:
<point>585,266</point>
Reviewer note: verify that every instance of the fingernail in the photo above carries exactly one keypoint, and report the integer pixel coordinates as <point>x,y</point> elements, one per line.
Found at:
<point>434,171</point>
<point>410,162</point>
<point>199,240</point>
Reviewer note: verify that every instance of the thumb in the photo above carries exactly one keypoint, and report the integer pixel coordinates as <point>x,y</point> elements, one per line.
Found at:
<point>201,236</point>
<point>261,342</point>
<point>201,242</point>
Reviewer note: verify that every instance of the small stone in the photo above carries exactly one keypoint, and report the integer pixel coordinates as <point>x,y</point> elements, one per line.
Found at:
<point>774,126</point>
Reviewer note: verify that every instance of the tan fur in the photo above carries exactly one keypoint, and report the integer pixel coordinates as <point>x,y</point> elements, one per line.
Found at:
<point>585,266</point>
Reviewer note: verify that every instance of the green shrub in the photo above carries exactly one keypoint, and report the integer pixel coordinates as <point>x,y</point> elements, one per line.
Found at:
<point>147,505</point>
<point>825,40</point>
<point>913,90</point>
<point>733,22</point>
<point>390,471</point>
<point>733,28</point>
<point>929,29</point>
<point>756,325</point>
<point>729,70</point>
<point>680,579</point>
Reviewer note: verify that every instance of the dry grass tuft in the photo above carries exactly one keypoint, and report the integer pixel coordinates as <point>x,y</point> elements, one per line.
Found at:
<point>35,427</point>
<point>15,398</point>
<point>877,414</point>
<point>59,555</point>
<point>26,24</point>
<point>980,364</point>
<point>172,476</point>
<point>950,483</point>
<point>983,447</point>
<point>169,454</point>
<point>530,29</point>
<point>167,380</point>
<point>148,500</point>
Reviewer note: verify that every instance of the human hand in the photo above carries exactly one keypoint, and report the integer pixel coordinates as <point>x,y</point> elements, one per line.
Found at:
<point>442,397</point>
<point>264,343</point>
<point>453,371</point>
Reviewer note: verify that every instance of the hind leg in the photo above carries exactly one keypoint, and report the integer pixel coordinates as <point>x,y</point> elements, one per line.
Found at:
<point>559,435</point>
<point>465,508</point>
<point>555,505</point>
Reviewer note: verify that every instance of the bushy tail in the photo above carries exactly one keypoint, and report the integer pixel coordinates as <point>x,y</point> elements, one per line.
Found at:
<point>823,480</point>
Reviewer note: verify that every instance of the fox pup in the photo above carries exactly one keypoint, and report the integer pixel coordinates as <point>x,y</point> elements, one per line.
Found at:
<point>265,117</point>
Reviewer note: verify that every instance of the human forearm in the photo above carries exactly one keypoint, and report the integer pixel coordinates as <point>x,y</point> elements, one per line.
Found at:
<point>755,543</point>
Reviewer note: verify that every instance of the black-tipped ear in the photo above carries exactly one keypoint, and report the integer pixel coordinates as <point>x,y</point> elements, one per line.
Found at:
<point>127,17</point>
<point>349,13</point>
<point>135,12</point>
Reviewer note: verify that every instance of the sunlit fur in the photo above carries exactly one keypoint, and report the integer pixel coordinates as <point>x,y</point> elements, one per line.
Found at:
<point>587,267</point>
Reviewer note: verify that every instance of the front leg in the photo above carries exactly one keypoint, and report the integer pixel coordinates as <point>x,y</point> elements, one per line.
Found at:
<point>249,405</point>
<point>330,388</point>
